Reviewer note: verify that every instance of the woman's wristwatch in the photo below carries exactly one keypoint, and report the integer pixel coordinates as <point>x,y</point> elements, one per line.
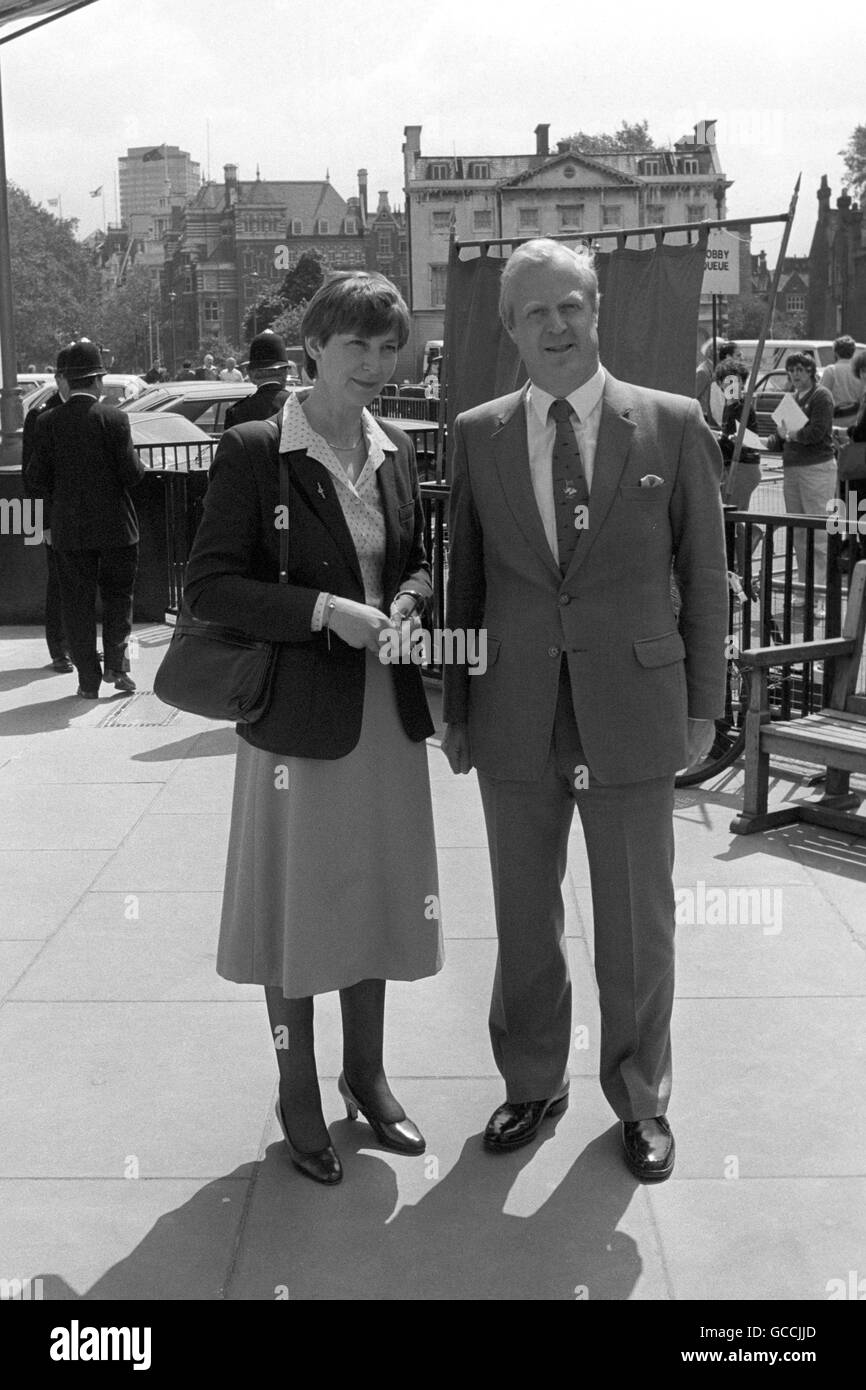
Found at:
<point>417,602</point>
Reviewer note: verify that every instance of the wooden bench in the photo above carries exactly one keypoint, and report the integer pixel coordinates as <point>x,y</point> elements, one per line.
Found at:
<point>834,737</point>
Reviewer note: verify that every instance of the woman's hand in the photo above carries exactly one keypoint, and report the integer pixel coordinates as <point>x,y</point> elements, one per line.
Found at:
<point>358,624</point>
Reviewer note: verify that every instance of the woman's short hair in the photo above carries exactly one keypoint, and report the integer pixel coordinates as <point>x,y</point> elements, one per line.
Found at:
<point>729,366</point>
<point>845,346</point>
<point>728,349</point>
<point>802,359</point>
<point>354,301</point>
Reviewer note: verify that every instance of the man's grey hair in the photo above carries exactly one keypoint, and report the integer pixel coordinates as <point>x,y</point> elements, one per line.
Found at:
<point>538,251</point>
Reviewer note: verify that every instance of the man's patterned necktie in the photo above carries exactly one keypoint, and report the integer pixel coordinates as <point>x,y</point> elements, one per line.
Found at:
<point>570,489</point>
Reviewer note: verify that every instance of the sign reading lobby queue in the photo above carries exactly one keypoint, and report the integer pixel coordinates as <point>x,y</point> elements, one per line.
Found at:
<point>722,268</point>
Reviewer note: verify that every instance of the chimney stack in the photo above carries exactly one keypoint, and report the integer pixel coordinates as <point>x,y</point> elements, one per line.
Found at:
<point>542,140</point>
<point>384,205</point>
<point>230,173</point>
<point>362,192</point>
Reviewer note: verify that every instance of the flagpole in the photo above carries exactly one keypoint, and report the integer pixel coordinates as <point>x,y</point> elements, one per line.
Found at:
<point>10,396</point>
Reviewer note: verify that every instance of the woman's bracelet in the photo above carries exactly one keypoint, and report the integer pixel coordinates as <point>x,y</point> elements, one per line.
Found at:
<point>330,606</point>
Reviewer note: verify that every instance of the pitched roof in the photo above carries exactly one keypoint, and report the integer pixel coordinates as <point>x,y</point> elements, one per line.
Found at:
<point>307,199</point>
<point>596,166</point>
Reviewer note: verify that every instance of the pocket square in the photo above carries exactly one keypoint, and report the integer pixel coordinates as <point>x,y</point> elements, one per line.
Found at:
<point>651,480</point>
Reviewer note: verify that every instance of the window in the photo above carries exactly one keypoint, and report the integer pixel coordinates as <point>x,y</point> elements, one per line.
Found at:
<point>527,217</point>
<point>438,169</point>
<point>249,261</point>
<point>384,243</point>
<point>323,226</point>
<point>611,215</point>
<point>795,303</point>
<point>482,220</point>
<point>655,213</point>
<point>650,166</point>
<point>441,221</point>
<point>571,216</point>
<point>212,311</point>
<point>696,212</point>
<point>297,226</point>
<point>438,285</point>
<point>351,226</point>
<point>478,169</point>
<point>689,166</point>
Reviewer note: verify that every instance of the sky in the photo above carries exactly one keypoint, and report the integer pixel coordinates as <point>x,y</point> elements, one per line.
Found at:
<point>303,88</point>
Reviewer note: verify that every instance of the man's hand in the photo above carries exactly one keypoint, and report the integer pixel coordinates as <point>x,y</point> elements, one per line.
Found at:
<point>455,746</point>
<point>700,736</point>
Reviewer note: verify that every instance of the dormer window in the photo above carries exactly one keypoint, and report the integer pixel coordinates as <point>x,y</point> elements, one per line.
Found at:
<point>297,226</point>
<point>323,226</point>
<point>478,169</point>
<point>689,166</point>
<point>438,169</point>
<point>351,226</point>
<point>651,167</point>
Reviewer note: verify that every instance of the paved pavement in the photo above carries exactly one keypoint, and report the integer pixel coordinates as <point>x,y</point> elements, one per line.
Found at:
<point>140,1158</point>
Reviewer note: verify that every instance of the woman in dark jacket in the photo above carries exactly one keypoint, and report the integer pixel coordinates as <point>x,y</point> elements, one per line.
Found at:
<point>331,880</point>
<point>808,464</point>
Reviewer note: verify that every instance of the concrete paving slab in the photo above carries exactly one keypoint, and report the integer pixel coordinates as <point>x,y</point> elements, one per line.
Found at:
<point>122,1239</point>
<point>759,943</point>
<point>15,956</point>
<point>146,946</point>
<point>39,888</point>
<point>171,854</point>
<point>65,817</point>
<point>457,814</point>
<point>183,1089</point>
<point>560,1219</point>
<point>197,782</point>
<point>769,1087</point>
<point>775,1238</point>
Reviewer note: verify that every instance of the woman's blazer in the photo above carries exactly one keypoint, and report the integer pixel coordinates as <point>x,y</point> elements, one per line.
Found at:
<point>233,571</point>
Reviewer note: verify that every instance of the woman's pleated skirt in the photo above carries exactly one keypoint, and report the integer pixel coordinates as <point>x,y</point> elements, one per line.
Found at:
<point>331,872</point>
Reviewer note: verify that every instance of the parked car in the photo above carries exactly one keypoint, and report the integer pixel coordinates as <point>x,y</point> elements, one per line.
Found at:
<point>777,349</point>
<point>117,387</point>
<point>31,381</point>
<point>169,443</point>
<point>203,402</point>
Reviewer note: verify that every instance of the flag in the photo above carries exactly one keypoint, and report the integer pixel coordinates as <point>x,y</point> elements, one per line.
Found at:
<point>95,192</point>
<point>156,153</point>
<point>54,202</point>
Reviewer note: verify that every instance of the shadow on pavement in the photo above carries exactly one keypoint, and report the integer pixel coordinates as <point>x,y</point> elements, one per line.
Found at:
<point>25,675</point>
<point>305,1242</point>
<point>213,743</point>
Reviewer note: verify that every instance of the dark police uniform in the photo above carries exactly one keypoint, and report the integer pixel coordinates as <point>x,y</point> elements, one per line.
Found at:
<point>54,634</point>
<point>267,401</point>
<point>83,465</point>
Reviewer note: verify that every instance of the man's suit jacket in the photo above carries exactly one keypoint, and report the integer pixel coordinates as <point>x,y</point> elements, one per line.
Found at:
<point>318,697</point>
<point>28,440</point>
<point>635,673</point>
<point>83,463</point>
<point>261,405</point>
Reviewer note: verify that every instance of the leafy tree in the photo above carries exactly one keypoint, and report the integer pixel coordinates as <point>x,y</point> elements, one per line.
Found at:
<point>854,159</point>
<point>746,315</point>
<point>121,323</point>
<point>261,315</point>
<point>55,286</point>
<point>628,137</point>
<point>288,324</point>
<point>304,278</point>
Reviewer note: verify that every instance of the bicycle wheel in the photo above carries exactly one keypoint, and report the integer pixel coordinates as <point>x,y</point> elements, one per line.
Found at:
<point>730,739</point>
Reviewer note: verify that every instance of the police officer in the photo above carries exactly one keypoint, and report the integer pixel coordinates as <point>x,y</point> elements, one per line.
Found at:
<point>82,466</point>
<point>268,368</point>
<point>54,635</point>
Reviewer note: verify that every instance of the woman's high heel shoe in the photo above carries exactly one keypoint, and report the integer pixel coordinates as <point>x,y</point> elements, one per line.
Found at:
<point>400,1135</point>
<point>323,1165</point>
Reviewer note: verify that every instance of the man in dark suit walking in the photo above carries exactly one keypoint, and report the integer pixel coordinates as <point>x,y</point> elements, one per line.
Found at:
<point>571,501</point>
<point>82,466</point>
<point>268,367</point>
<point>58,648</point>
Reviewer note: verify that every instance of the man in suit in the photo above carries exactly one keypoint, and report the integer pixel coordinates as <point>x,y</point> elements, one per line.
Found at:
<point>82,466</point>
<point>58,648</point>
<point>571,500</point>
<point>268,367</point>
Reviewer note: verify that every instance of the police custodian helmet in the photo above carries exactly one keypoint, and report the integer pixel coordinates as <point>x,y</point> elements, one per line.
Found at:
<point>83,359</point>
<point>267,349</point>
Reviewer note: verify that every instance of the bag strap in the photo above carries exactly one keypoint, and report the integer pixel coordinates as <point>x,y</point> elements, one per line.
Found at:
<point>284,530</point>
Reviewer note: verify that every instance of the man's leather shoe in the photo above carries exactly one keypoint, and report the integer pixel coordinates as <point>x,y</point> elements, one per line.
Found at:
<point>87,694</point>
<point>63,665</point>
<point>517,1121</point>
<point>649,1148</point>
<point>120,680</point>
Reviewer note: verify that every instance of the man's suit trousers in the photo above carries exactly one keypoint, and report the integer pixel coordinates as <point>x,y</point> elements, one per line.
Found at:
<point>628,832</point>
<point>112,572</point>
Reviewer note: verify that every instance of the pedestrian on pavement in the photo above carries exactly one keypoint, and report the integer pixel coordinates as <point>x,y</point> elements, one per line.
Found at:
<point>58,647</point>
<point>857,431</point>
<point>808,466</point>
<point>83,466</point>
<point>207,371</point>
<point>268,367</point>
<point>186,372</point>
<point>331,879</point>
<point>731,377</point>
<point>230,371</point>
<point>705,374</point>
<point>571,500</point>
<point>841,380</point>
